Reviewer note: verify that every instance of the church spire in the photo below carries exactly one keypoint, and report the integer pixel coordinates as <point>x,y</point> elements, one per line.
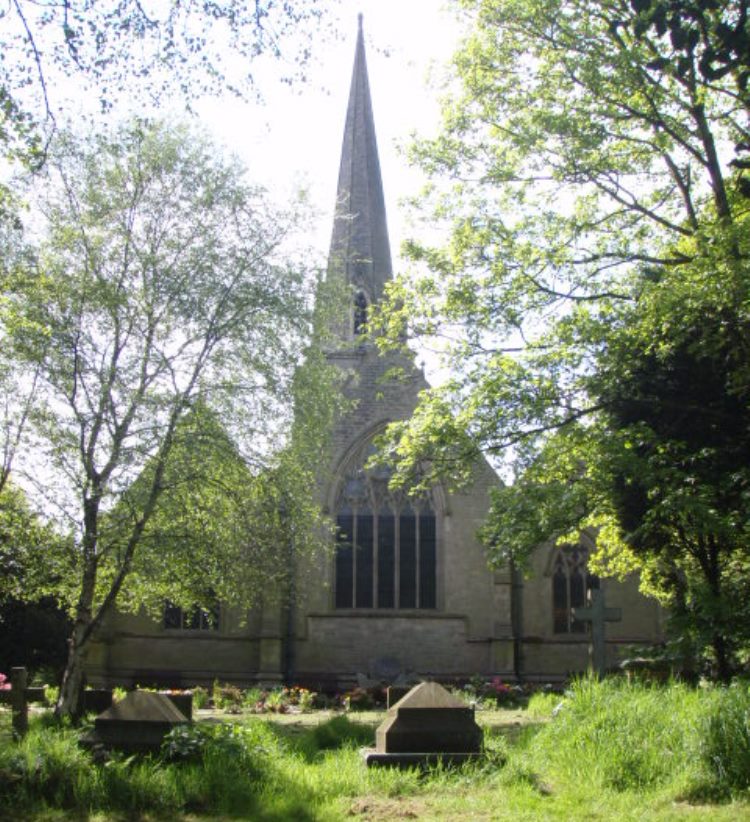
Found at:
<point>359,245</point>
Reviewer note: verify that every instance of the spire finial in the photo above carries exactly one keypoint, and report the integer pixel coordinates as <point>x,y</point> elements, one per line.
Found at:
<point>360,17</point>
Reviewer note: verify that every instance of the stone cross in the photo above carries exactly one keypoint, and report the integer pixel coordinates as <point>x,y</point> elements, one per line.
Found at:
<point>598,615</point>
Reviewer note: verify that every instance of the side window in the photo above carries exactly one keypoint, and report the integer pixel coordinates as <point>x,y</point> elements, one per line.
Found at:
<point>194,619</point>
<point>571,582</point>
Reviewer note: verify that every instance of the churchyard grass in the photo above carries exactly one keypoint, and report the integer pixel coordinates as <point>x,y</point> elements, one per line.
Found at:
<point>614,750</point>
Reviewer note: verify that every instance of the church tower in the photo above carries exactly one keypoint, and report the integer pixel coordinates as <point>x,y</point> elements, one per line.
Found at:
<point>408,590</point>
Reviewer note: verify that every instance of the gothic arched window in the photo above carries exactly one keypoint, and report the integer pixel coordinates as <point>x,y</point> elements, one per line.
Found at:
<point>360,313</point>
<point>571,582</point>
<point>386,553</point>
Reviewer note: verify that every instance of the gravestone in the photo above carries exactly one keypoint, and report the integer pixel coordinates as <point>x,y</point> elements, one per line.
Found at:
<point>426,726</point>
<point>598,615</point>
<point>136,724</point>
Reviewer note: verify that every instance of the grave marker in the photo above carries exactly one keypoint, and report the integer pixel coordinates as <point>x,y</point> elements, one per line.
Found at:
<point>136,724</point>
<point>426,726</point>
<point>598,615</point>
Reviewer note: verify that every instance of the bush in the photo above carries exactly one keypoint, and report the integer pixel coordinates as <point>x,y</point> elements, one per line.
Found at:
<point>227,697</point>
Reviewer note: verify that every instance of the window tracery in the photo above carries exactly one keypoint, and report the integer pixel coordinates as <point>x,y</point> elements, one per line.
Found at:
<point>571,582</point>
<point>386,554</point>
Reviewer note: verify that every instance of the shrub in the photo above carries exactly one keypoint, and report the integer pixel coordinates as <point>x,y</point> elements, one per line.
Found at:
<point>51,693</point>
<point>118,694</point>
<point>227,697</point>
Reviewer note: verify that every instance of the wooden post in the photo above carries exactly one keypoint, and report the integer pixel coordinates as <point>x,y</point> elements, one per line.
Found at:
<point>19,705</point>
<point>598,615</point>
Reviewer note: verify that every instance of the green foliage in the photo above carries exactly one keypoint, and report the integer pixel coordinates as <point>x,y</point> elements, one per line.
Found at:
<point>108,50</point>
<point>158,259</point>
<point>542,704</point>
<point>591,299</point>
<point>624,737</point>
<point>200,698</point>
<point>226,697</point>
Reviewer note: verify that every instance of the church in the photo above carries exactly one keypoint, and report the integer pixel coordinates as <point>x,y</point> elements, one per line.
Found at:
<point>406,591</point>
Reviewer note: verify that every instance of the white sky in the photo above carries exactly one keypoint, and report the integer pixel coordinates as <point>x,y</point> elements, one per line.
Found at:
<point>295,138</point>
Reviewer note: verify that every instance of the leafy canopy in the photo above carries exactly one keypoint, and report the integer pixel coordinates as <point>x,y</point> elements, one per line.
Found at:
<point>591,300</point>
<point>164,311</point>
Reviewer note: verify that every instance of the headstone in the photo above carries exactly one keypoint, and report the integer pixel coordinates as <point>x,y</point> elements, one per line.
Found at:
<point>136,724</point>
<point>598,615</point>
<point>426,726</point>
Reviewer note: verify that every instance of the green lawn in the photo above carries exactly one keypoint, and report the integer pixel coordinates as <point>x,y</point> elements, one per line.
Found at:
<point>613,753</point>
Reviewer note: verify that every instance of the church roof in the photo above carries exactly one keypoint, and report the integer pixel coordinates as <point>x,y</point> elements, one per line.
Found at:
<point>359,245</point>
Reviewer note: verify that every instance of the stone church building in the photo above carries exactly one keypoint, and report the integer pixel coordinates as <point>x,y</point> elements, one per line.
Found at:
<point>407,589</point>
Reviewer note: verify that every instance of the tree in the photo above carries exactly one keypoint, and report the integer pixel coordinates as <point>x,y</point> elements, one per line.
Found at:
<point>108,47</point>
<point>598,261</point>
<point>165,297</point>
<point>57,56</point>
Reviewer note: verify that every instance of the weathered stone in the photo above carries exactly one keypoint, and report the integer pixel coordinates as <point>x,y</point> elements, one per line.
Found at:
<point>426,725</point>
<point>136,724</point>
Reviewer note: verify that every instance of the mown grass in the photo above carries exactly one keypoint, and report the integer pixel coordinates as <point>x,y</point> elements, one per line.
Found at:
<point>612,751</point>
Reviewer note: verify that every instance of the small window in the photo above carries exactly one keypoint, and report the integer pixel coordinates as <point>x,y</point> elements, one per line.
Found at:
<point>360,313</point>
<point>571,582</point>
<point>194,619</point>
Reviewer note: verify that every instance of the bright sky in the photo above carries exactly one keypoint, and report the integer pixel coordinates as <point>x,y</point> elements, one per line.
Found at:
<point>295,138</point>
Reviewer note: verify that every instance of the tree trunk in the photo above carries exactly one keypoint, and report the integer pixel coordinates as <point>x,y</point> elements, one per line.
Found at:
<point>70,701</point>
<point>723,666</point>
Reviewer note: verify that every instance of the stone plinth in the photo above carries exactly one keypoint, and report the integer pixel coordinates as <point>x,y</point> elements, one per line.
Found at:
<point>136,724</point>
<point>426,726</point>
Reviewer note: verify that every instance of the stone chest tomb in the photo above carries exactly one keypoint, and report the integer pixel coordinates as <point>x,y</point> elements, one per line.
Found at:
<point>136,724</point>
<point>425,726</point>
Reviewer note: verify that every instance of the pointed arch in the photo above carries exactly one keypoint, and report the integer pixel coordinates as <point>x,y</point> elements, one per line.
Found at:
<point>387,553</point>
<point>571,583</point>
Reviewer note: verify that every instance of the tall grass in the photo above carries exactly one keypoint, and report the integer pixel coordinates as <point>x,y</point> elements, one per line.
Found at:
<point>725,740</point>
<point>635,736</point>
<point>610,744</point>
